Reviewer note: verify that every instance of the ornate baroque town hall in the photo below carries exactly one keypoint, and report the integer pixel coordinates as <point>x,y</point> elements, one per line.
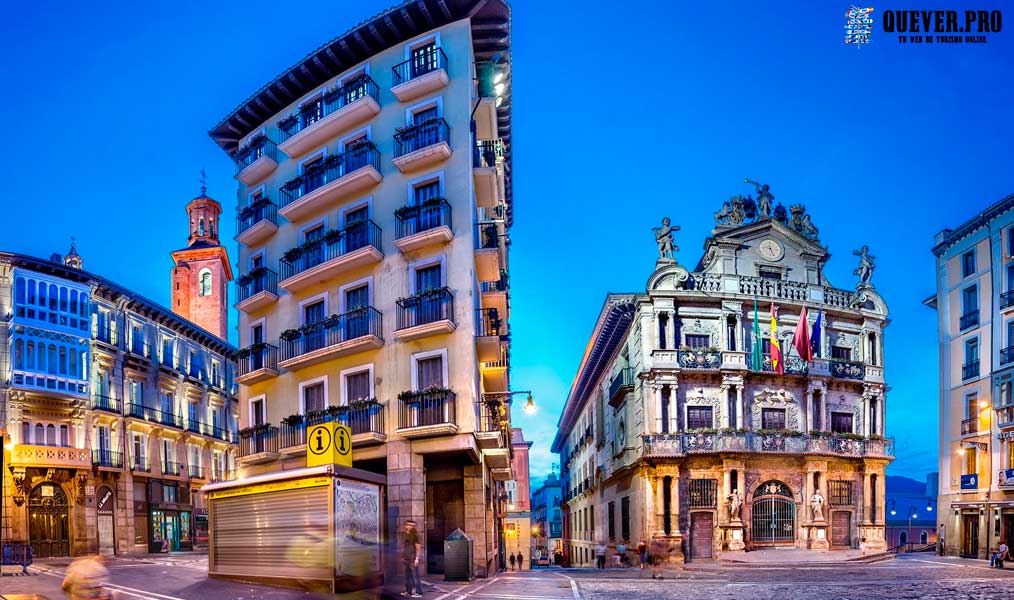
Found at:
<point>673,434</point>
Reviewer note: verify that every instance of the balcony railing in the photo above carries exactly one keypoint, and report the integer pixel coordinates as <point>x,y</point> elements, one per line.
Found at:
<point>622,383</point>
<point>1007,299</point>
<point>195,471</point>
<point>222,475</point>
<point>488,323</point>
<point>970,319</point>
<point>431,59</point>
<point>500,285</point>
<point>364,417</point>
<point>335,243</point>
<point>331,102</point>
<point>1007,355</point>
<point>432,213</point>
<point>489,416</point>
<point>970,370</point>
<point>970,426</point>
<point>195,426</point>
<point>261,279</point>
<point>699,358</point>
<point>221,433</point>
<point>1005,416</point>
<point>426,408</point>
<point>141,464</point>
<point>260,210</point>
<point>258,147</point>
<point>106,403</point>
<point>420,136</point>
<point>486,153</point>
<point>257,440</point>
<point>427,307</point>
<point>155,415</point>
<point>329,170</point>
<point>107,458</point>
<point>487,235</point>
<point>792,365</point>
<point>291,435</point>
<point>333,330</point>
<point>104,333</point>
<point>847,369</point>
<point>170,467</point>
<point>256,357</point>
<point>680,444</point>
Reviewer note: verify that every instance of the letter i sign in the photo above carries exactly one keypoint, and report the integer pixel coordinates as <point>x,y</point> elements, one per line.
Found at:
<point>327,444</point>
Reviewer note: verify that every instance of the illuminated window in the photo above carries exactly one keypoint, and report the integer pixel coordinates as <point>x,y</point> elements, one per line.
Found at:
<point>204,283</point>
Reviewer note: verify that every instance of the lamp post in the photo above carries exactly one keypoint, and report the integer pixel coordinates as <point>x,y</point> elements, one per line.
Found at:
<point>529,408</point>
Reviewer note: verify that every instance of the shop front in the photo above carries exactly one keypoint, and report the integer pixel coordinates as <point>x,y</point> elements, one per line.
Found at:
<point>169,517</point>
<point>104,504</point>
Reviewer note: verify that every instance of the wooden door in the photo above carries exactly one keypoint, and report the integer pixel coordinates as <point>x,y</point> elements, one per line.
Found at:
<point>702,533</point>
<point>841,528</point>
<point>970,535</point>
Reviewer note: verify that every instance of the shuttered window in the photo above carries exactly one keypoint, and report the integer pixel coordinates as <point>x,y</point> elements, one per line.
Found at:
<point>430,372</point>
<point>357,386</point>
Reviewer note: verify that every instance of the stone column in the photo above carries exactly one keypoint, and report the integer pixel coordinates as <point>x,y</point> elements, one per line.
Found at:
<point>741,413</point>
<point>475,516</point>
<point>659,506</point>
<point>807,410</point>
<point>723,406</point>
<point>648,528</point>
<point>674,410</point>
<point>406,497</point>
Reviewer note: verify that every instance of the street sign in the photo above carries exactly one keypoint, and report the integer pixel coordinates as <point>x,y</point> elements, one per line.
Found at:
<point>328,444</point>
<point>970,482</point>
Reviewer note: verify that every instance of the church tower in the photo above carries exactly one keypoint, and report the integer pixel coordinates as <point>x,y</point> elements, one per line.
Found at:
<point>201,275</point>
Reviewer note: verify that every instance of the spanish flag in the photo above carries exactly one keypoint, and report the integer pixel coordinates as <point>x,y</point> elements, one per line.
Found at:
<point>776,349</point>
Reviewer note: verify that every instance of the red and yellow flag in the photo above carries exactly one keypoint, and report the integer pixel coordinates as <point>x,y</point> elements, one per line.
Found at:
<point>776,348</point>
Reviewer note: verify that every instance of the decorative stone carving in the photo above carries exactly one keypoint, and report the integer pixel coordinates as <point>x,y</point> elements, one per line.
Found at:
<point>768,398</point>
<point>817,506</point>
<point>764,198</point>
<point>664,238</point>
<point>734,502</point>
<point>20,485</point>
<point>699,399</point>
<point>865,268</point>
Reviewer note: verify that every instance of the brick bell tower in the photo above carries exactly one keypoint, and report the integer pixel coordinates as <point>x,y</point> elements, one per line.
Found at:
<point>200,279</point>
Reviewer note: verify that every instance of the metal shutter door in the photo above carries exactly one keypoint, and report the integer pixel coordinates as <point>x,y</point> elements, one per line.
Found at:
<point>276,534</point>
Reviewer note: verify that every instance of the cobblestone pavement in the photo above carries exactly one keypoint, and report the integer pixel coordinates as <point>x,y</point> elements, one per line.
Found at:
<point>921,576</point>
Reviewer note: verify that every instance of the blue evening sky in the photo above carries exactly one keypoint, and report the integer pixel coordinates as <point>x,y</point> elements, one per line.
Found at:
<point>623,113</point>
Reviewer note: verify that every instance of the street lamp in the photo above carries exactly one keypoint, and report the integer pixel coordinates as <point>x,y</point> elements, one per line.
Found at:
<point>530,407</point>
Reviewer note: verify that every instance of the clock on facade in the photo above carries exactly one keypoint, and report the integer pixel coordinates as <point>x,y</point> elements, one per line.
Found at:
<point>771,250</point>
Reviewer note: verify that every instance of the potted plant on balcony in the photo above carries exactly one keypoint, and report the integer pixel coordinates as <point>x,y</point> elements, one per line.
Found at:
<point>243,353</point>
<point>292,254</point>
<point>292,420</point>
<point>332,236</point>
<point>290,335</point>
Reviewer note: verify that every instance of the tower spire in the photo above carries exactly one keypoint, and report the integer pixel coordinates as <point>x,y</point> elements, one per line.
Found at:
<point>204,183</point>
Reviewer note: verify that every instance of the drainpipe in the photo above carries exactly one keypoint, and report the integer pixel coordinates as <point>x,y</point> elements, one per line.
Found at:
<point>989,444</point>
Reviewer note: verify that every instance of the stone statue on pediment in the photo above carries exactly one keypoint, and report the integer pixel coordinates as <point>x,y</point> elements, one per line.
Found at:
<point>865,268</point>
<point>764,198</point>
<point>664,238</point>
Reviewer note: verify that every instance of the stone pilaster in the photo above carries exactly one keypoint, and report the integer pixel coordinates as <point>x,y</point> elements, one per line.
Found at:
<point>406,496</point>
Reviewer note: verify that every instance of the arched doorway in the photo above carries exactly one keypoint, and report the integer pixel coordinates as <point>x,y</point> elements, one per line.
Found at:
<point>773,514</point>
<point>902,538</point>
<point>104,520</point>
<point>923,537</point>
<point>48,521</point>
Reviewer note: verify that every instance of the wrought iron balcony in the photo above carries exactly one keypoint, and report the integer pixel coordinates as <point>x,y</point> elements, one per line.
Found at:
<point>195,471</point>
<point>333,332</point>
<point>488,323</point>
<point>141,465</point>
<point>256,357</point>
<point>106,403</point>
<point>488,153</point>
<point>1007,355</point>
<point>1007,299</point>
<point>970,319</point>
<point>257,289</point>
<point>433,216</point>
<point>107,458</point>
<point>791,365</point>
<point>324,257</point>
<point>364,417</point>
<point>258,440</point>
<point>331,102</point>
<point>170,467</point>
<point>622,383</point>
<point>328,174</point>
<point>1005,417</point>
<point>428,61</point>
<point>846,369</point>
<point>154,415</point>
<point>195,426</point>
<point>104,333</point>
<point>257,221</point>
<point>291,434</point>
<point>256,160</point>
<point>222,475</point>
<point>681,444</point>
<point>699,358</point>
<point>500,285</point>
<point>430,306</point>
<point>970,426</point>
<point>427,408</point>
<point>423,135</point>
<point>970,370</point>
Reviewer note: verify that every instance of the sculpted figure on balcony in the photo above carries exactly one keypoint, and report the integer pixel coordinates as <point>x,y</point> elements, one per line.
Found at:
<point>664,239</point>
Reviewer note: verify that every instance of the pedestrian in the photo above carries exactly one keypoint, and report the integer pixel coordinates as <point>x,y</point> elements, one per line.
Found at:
<point>513,561</point>
<point>85,579</point>
<point>410,552</point>
<point>642,554</point>
<point>621,551</point>
<point>600,555</point>
<point>521,561</point>
<point>1002,553</point>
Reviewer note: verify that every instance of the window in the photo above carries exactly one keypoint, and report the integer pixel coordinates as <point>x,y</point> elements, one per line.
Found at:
<point>169,493</point>
<point>842,493</point>
<point>971,401</point>
<point>770,274</point>
<point>204,283</point>
<point>357,386</point>
<point>430,372</point>
<point>424,59</point>
<point>313,397</point>
<point>968,263</point>
<point>773,418</point>
<point>698,341</point>
<point>625,518</point>
<point>703,493</point>
<point>313,313</point>
<point>972,351</point>
<point>970,462</point>
<point>421,192</point>
<point>428,278</point>
<point>611,513</point>
<point>699,417</point>
<point>841,422</point>
<point>969,300</point>
<point>140,452</point>
<point>257,412</point>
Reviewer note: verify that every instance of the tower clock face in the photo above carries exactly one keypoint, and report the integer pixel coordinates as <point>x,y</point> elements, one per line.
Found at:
<point>771,250</point>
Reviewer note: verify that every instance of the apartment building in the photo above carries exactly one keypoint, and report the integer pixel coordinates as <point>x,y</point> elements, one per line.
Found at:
<point>695,424</point>
<point>115,412</point>
<point>975,321</point>
<point>373,209</point>
<point>547,523</point>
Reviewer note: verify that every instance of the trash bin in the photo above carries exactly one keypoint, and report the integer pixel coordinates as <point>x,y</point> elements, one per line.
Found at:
<point>458,557</point>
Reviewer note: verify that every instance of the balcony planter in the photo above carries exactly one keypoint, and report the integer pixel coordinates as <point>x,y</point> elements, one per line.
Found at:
<point>291,334</point>
<point>292,420</point>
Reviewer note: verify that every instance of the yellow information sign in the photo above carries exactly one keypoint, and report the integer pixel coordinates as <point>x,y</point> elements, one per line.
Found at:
<point>328,444</point>
<point>272,486</point>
